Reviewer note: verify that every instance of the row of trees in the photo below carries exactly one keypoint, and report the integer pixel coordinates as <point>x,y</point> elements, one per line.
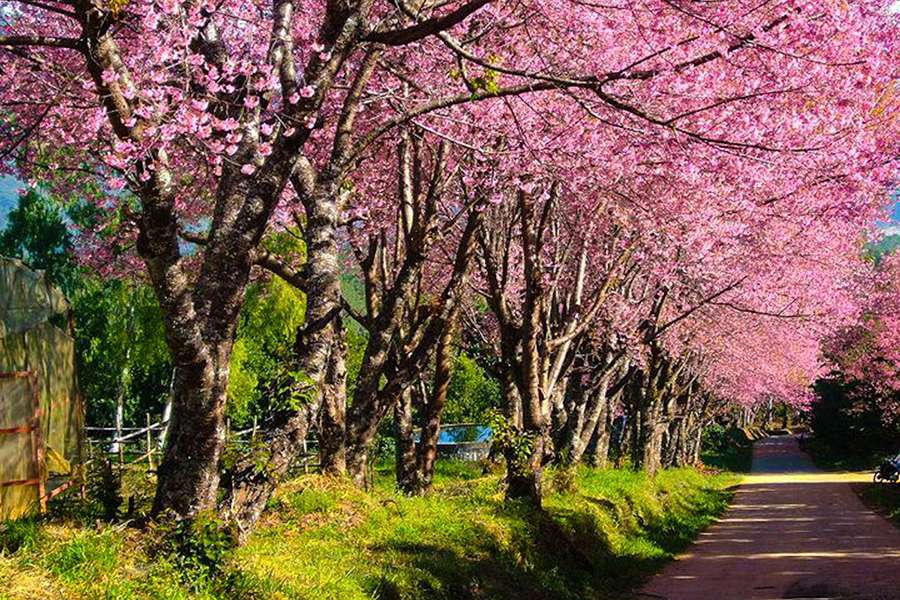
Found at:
<point>858,411</point>
<point>646,208</point>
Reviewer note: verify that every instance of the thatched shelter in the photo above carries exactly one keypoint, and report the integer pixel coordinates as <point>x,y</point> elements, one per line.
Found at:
<point>41,415</point>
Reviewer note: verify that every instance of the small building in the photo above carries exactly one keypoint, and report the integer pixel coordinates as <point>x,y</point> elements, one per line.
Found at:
<point>41,413</point>
<point>464,442</point>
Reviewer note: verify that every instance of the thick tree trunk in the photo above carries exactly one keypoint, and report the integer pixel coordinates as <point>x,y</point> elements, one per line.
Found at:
<point>671,444</point>
<point>648,425</point>
<point>406,471</point>
<point>332,415</point>
<point>649,446</point>
<point>189,471</point>
<point>252,482</point>
<point>357,464</point>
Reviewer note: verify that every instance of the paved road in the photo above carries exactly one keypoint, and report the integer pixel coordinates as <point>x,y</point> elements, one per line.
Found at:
<point>792,532</point>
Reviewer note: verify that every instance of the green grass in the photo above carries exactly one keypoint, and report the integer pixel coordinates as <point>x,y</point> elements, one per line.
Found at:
<point>601,532</point>
<point>884,498</point>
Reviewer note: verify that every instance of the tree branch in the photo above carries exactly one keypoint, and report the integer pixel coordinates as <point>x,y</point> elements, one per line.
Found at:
<point>40,40</point>
<point>423,29</point>
<point>268,261</point>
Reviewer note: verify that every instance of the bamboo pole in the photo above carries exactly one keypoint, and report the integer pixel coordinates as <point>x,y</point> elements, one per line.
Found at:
<point>149,443</point>
<point>37,441</point>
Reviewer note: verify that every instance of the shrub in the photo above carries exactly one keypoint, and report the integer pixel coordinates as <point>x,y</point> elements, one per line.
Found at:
<point>198,546</point>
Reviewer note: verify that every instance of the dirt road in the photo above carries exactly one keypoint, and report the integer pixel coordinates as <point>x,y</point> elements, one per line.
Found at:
<point>792,532</point>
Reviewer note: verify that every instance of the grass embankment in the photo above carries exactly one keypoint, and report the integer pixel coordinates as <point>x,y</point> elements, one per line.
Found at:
<point>733,452</point>
<point>883,498</point>
<point>830,459</point>
<point>600,533</point>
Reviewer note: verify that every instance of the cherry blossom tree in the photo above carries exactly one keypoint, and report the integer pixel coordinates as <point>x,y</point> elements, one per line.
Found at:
<point>698,131</point>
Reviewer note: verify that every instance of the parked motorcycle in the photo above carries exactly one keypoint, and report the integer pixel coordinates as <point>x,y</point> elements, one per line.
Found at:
<point>889,471</point>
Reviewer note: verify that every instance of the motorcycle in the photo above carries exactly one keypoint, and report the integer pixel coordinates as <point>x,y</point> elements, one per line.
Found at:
<point>889,471</point>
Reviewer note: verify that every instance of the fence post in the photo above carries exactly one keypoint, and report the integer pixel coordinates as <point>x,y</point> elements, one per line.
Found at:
<point>149,444</point>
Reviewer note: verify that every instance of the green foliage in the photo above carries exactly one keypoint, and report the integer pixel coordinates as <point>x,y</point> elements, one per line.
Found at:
<point>848,425</point>
<point>887,245</point>
<point>472,393</point>
<point>105,485</point>
<point>356,339</point>
<point>516,446</point>
<point>261,377</point>
<point>726,448</point>
<point>198,546</point>
<point>120,340</point>
<point>37,233</point>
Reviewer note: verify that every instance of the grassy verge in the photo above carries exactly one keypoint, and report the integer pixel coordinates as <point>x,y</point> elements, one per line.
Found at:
<point>882,498</point>
<point>830,459</point>
<point>600,533</point>
<point>730,450</point>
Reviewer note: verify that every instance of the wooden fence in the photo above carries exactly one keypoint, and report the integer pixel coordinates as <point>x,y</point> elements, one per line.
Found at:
<point>134,445</point>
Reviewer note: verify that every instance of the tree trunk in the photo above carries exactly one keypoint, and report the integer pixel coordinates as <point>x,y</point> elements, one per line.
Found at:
<point>189,471</point>
<point>332,416</point>
<point>434,409</point>
<point>602,436</point>
<point>670,444</point>
<point>253,480</point>
<point>649,426</point>
<point>406,471</point>
<point>597,411</point>
<point>697,446</point>
<point>650,444</point>
<point>357,464</point>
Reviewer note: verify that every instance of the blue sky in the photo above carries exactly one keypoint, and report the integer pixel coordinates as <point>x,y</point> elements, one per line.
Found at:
<point>8,187</point>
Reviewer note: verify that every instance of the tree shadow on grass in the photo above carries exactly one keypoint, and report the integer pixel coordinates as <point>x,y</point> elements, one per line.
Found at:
<point>558,554</point>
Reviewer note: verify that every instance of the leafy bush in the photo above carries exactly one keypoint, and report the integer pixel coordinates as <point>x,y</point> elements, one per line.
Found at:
<point>198,546</point>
